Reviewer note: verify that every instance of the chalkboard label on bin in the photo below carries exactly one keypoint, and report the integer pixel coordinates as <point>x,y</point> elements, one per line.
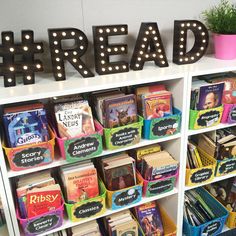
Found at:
<point>31,157</point>
<point>160,187</point>
<point>43,224</point>
<point>233,114</point>
<point>126,197</point>
<point>165,127</point>
<point>88,209</point>
<point>228,166</point>
<point>212,228</point>
<point>201,175</point>
<point>83,147</point>
<point>124,136</point>
<point>208,118</point>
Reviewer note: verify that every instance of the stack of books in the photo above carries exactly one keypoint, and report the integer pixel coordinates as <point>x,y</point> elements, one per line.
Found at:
<point>220,144</point>
<point>225,192</point>
<point>117,172</point>
<point>90,228</point>
<point>80,181</point>
<point>158,165</point>
<point>193,157</point>
<point>154,101</point>
<point>196,210</point>
<point>114,108</point>
<point>37,194</point>
<point>121,223</point>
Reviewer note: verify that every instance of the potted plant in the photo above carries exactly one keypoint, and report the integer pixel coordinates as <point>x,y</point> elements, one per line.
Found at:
<point>221,21</point>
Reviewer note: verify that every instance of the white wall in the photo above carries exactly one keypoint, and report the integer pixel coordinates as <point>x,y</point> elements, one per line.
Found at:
<point>39,15</point>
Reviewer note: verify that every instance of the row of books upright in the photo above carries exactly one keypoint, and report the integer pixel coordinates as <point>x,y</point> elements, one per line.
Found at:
<point>72,115</point>
<point>80,181</point>
<point>145,217</point>
<point>210,91</point>
<point>219,144</point>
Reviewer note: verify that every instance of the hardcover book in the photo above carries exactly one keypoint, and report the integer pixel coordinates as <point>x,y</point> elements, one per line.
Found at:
<point>120,111</point>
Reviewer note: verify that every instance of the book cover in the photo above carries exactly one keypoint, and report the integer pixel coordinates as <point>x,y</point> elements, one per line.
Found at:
<point>120,111</point>
<point>81,187</point>
<point>74,118</point>
<point>120,177</point>
<point>210,96</point>
<point>43,200</point>
<point>150,219</point>
<point>25,126</point>
<point>157,105</point>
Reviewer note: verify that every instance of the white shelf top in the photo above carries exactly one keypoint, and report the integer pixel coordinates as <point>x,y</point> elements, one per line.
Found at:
<point>59,161</point>
<point>216,179</point>
<point>46,86</point>
<point>68,224</point>
<point>200,131</point>
<point>210,65</point>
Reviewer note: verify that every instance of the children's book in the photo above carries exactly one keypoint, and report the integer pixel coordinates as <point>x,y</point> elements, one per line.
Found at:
<point>25,124</point>
<point>210,96</point>
<point>74,118</point>
<point>80,182</point>
<point>43,200</point>
<point>157,105</point>
<point>120,111</point>
<point>149,218</point>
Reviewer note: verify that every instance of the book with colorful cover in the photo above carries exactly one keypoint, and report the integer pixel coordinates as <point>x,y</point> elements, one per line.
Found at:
<point>43,200</point>
<point>81,185</point>
<point>210,96</point>
<point>157,105</point>
<point>120,111</point>
<point>25,124</point>
<point>149,218</point>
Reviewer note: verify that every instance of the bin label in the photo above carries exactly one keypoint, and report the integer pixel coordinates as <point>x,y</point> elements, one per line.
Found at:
<point>165,126</point>
<point>201,175</point>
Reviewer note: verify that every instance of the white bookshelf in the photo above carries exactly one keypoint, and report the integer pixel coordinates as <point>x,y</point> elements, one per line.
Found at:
<point>178,80</point>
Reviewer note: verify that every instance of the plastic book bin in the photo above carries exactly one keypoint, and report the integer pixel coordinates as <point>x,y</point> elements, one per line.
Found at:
<point>162,127</point>
<point>88,208</point>
<point>42,223</point>
<point>203,174</point>
<point>160,186</point>
<point>123,136</point>
<point>31,155</point>
<point>205,118</point>
<point>125,197</point>
<point>82,147</point>
<point>213,227</point>
<point>229,114</point>
<point>227,166</point>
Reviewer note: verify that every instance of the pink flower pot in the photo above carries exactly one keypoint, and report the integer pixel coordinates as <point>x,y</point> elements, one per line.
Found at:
<point>225,46</point>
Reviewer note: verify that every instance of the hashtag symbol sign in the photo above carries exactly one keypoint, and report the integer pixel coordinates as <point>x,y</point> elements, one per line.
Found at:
<point>27,65</point>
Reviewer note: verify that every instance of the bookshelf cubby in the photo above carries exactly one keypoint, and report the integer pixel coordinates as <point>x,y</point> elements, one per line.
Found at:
<point>179,81</point>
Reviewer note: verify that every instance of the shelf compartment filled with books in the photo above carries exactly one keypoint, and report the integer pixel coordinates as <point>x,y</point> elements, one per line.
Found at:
<point>202,214</point>
<point>160,105</point>
<point>212,100</point>
<point>28,141</point>
<point>200,168</point>
<point>82,147</point>
<point>224,192</point>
